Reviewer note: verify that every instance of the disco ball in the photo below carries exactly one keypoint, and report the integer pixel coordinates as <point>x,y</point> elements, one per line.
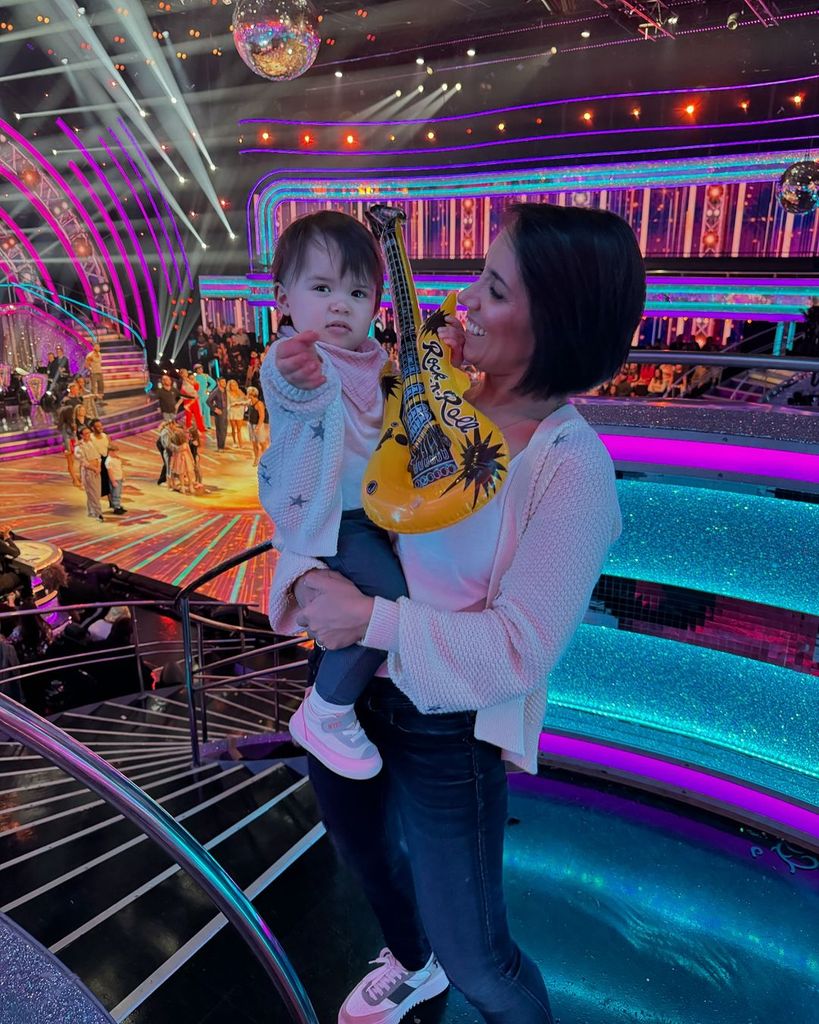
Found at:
<point>798,190</point>
<point>277,39</point>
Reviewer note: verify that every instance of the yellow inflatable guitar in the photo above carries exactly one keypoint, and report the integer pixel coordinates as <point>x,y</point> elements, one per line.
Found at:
<point>439,459</point>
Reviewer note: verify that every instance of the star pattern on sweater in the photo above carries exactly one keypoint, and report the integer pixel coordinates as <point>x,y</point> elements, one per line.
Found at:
<point>298,501</point>
<point>558,439</point>
<point>318,430</point>
<point>263,473</point>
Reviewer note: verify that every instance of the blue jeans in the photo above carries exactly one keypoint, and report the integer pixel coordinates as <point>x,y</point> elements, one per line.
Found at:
<point>424,839</point>
<point>115,495</point>
<point>365,556</point>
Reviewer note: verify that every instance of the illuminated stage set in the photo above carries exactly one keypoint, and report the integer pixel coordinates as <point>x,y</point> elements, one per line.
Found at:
<point>662,867</point>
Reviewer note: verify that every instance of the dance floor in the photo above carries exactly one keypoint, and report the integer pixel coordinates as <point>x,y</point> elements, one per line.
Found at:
<point>168,536</point>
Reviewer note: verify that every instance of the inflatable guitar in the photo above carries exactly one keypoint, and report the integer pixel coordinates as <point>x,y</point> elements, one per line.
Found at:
<point>439,459</point>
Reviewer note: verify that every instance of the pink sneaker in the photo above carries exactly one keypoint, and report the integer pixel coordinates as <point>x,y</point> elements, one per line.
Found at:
<point>389,992</point>
<point>338,741</point>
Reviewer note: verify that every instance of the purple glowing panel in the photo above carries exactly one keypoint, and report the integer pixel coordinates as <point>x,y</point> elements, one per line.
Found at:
<point>721,790</point>
<point>737,459</point>
<point>102,250</point>
<point>744,86</point>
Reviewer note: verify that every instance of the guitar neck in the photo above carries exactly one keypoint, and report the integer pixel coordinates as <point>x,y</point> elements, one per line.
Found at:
<point>405,303</point>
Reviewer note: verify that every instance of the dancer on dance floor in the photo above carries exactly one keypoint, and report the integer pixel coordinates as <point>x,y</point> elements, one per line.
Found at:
<point>90,463</point>
<point>218,404</point>
<point>237,403</point>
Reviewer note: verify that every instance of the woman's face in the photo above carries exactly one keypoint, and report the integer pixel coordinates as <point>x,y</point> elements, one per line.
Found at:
<point>499,335</point>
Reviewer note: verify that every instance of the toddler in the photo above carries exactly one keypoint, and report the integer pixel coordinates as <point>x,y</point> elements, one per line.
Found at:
<point>321,388</point>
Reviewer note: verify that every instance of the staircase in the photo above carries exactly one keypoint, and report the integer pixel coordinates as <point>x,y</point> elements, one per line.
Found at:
<point>90,888</point>
<point>748,386</point>
<point>123,365</point>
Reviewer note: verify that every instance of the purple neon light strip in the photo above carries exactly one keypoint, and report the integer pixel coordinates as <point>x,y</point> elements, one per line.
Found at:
<point>534,138</point>
<point>43,210</point>
<point>150,195</point>
<point>143,328</point>
<point>697,781</point>
<point>719,283</point>
<point>331,172</point>
<point>162,196</point>
<point>21,237</point>
<point>102,249</point>
<point>681,777</point>
<point>714,457</point>
<point>126,222</point>
<point>142,210</point>
<point>531,106</point>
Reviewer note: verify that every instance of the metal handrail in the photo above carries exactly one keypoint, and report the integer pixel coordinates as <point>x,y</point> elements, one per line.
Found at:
<point>701,358</point>
<point>183,604</point>
<point>82,764</point>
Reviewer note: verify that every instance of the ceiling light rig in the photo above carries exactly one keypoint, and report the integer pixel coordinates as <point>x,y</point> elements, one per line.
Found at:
<point>766,13</point>
<point>649,19</point>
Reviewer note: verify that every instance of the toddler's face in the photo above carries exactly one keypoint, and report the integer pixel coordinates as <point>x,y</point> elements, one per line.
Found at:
<point>339,309</point>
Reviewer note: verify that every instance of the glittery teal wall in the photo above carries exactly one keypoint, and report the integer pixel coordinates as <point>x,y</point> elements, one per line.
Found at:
<point>746,718</point>
<point>757,548</point>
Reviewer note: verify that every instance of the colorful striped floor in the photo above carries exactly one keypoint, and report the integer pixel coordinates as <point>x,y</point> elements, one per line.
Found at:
<point>167,536</point>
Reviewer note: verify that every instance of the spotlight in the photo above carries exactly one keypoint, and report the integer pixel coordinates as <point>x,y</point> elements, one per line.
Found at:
<point>635,111</point>
<point>431,136</point>
<point>350,140</point>
<point>444,87</point>
<point>553,51</point>
<point>690,109</point>
<point>587,116</point>
<point>429,70</point>
<point>470,52</point>
<point>419,60</point>
<point>796,100</point>
<point>339,74</point>
<point>143,113</point>
<point>173,99</point>
<point>672,19</point>
<point>458,87</point>
<point>18,116</point>
<point>181,180</point>
<point>419,89</point>
<point>744,105</point>
<point>585,34</point>
<point>501,126</point>
<point>398,94</point>
<point>733,22</point>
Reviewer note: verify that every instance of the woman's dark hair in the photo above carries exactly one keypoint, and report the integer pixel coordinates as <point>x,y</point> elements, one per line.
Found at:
<point>359,251</point>
<point>586,282</point>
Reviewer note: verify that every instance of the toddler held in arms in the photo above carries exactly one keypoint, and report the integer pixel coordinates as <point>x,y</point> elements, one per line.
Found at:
<point>321,388</point>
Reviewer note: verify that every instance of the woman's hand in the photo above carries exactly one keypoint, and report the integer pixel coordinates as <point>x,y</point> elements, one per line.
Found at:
<point>304,588</point>
<point>298,362</point>
<point>454,336</point>
<point>338,614</point>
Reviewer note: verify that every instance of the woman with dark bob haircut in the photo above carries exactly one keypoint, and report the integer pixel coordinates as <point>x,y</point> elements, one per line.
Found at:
<point>494,602</point>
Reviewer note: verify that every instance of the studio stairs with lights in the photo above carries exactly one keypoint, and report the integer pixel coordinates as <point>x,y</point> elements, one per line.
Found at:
<point>109,917</point>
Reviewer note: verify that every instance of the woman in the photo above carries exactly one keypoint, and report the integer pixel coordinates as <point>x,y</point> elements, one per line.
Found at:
<point>254,367</point>
<point>237,403</point>
<point>90,463</point>
<point>551,316</point>
<point>257,423</point>
<point>102,442</point>
<point>183,469</point>
<point>656,386</point>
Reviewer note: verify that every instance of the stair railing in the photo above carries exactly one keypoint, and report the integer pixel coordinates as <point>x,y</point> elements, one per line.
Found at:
<point>57,747</point>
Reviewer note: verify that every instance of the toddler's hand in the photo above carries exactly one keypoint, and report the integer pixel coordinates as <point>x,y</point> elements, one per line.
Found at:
<point>454,336</point>
<point>298,362</point>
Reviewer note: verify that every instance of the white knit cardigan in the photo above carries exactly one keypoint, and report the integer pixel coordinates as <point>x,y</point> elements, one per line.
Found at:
<point>300,470</point>
<point>559,519</point>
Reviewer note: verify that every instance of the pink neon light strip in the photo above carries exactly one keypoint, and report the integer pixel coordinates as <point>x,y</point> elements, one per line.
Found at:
<point>143,329</point>
<point>126,220</point>
<point>142,210</point>
<point>160,221</point>
<point>102,249</point>
<point>48,216</point>
<point>21,237</point>
<point>12,278</point>
<point>719,458</point>
<point>696,781</point>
